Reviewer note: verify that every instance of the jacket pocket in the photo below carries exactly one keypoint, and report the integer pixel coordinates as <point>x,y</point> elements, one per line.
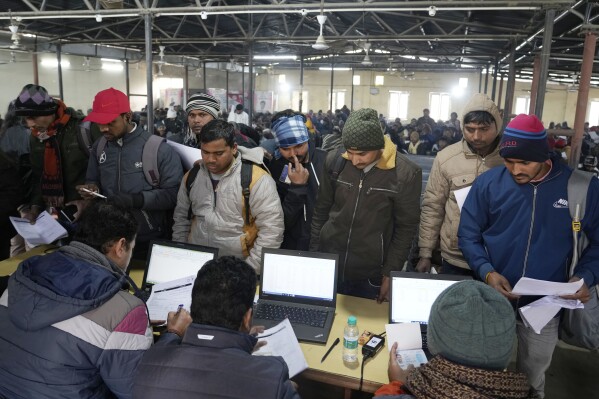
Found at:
<point>459,182</point>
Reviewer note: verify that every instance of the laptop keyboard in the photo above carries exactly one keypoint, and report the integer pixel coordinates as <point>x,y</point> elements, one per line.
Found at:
<point>296,315</point>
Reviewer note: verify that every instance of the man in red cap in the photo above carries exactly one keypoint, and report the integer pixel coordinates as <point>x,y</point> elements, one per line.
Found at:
<point>516,223</point>
<point>116,169</point>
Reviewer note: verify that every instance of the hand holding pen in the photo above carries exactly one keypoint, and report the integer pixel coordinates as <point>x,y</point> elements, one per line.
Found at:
<point>177,322</point>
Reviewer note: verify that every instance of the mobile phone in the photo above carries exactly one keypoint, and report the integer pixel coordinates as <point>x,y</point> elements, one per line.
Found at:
<point>67,213</point>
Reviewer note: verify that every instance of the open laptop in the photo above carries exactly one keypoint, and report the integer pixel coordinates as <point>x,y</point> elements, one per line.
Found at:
<point>170,260</point>
<point>300,286</point>
<point>413,294</point>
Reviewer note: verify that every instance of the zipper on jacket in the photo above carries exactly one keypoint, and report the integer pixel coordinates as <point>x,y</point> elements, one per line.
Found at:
<point>120,148</point>
<point>386,190</point>
<point>349,185</point>
<point>532,223</point>
<point>362,175</point>
<point>382,251</point>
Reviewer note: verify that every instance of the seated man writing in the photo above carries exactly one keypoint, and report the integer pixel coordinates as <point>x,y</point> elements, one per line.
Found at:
<point>471,335</point>
<point>67,327</point>
<point>214,357</point>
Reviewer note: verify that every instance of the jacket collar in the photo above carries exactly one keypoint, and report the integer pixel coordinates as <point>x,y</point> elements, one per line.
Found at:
<point>387,160</point>
<point>218,338</point>
<point>469,153</point>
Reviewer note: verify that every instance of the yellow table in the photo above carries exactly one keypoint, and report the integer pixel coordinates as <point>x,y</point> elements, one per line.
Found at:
<point>371,316</point>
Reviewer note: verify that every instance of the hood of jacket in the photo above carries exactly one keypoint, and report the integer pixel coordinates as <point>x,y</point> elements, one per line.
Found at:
<point>481,102</point>
<point>71,281</point>
<point>256,154</point>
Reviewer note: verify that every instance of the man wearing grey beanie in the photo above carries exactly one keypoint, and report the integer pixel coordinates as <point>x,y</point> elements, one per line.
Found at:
<point>368,207</point>
<point>471,335</point>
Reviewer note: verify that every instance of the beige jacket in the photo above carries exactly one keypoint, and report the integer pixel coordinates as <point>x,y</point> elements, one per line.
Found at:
<point>454,168</point>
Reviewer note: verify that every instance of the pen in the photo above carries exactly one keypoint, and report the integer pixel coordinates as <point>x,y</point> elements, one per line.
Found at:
<point>179,308</point>
<point>330,349</point>
<point>93,193</point>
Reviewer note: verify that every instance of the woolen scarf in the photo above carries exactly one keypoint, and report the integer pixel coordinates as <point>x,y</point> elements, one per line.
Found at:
<point>443,379</point>
<point>51,182</point>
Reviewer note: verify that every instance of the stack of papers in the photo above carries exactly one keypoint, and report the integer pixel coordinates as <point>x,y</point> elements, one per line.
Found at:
<point>409,343</point>
<point>537,314</point>
<point>281,341</point>
<point>46,229</point>
<point>166,297</point>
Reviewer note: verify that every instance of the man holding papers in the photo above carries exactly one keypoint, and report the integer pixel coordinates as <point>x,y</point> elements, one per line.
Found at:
<point>67,327</point>
<point>453,171</point>
<point>214,358</point>
<point>516,223</point>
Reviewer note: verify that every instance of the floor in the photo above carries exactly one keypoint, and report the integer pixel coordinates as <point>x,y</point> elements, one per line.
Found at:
<point>574,373</point>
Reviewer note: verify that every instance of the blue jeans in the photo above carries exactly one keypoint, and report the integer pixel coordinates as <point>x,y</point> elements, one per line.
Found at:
<point>365,288</point>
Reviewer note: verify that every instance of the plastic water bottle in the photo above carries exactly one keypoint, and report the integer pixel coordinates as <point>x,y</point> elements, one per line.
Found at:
<point>350,340</point>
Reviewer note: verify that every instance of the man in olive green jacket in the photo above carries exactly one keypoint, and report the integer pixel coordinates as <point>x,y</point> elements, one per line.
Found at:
<point>368,208</point>
<point>454,169</point>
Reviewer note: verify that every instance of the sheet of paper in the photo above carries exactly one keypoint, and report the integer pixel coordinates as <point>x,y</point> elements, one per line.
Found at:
<point>281,341</point>
<point>556,300</point>
<point>530,286</point>
<point>407,336</point>
<point>46,229</point>
<point>166,297</point>
<point>537,317</point>
<point>415,357</point>
<point>460,196</point>
<point>188,154</point>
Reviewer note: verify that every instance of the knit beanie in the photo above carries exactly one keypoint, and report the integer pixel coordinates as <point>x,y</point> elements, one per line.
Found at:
<point>34,100</point>
<point>525,138</point>
<point>290,131</point>
<point>204,102</point>
<point>472,324</point>
<point>363,131</point>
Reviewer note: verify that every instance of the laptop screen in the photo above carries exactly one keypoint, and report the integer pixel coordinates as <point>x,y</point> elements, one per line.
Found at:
<point>298,275</point>
<point>413,294</point>
<point>168,260</point>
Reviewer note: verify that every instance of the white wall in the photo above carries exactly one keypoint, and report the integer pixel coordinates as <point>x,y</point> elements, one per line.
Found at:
<point>80,86</point>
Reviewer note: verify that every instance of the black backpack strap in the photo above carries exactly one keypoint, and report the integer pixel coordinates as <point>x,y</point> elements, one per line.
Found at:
<point>246,179</point>
<point>337,166</point>
<point>84,137</point>
<point>191,178</point>
<point>100,148</point>
<point>149,159</point>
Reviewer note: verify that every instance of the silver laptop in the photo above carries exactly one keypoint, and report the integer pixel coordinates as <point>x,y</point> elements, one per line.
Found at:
<point>413,294</point>
<point>170,260</point>
<point>300,286</point>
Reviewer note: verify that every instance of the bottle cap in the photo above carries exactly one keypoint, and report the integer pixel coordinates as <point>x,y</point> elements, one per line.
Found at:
<point>351,320</point>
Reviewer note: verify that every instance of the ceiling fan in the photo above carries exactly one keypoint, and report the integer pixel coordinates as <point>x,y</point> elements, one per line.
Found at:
<point>320,43</point>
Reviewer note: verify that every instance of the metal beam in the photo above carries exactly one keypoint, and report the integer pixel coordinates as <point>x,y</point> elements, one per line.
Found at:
<point>544,63</point>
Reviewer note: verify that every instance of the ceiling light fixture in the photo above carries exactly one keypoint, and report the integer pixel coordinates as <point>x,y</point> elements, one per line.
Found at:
<point>366,61</point>
<point>204,15</point>
<point>320,44</point>
<point>98,18</point>
<point>432,11</point>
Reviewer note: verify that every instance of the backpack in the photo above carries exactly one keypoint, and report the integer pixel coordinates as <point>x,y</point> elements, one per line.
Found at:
<point>246,180</point>
<point>84,137</point>
<point>149,157</point>
<point>580,327</point>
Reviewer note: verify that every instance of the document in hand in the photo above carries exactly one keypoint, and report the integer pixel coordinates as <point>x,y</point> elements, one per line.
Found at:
<point>166,297</point>
<point>187,154</point>
<point>46,229</point>
<point>409,343</point>
<point>537,314</point>
<point>531,286</point>
<point>281,341</point>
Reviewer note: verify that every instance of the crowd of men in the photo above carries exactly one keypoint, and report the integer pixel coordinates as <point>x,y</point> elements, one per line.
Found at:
<point>69,328</point>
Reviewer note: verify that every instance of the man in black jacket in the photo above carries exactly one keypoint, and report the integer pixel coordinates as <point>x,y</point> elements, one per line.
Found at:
<point>297,168</point>
<point>214,358</point>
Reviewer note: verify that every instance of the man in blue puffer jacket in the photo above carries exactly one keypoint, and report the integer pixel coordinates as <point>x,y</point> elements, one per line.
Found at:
<point>516,223</point>
<point>67,328</point>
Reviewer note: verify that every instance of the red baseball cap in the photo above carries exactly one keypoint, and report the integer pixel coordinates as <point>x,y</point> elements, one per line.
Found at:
<point>108,104</point>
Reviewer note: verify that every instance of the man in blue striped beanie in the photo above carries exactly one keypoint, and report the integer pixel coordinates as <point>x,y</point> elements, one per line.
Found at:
<point>297,168</point>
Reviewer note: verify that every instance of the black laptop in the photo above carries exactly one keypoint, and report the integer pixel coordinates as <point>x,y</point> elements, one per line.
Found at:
<point>413,294</point>
<point>170,260</point>
<point>300,286</point>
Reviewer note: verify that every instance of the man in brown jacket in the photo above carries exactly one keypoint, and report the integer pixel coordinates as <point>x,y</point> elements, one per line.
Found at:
<point>367,208</point>
<point>454,169</point>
